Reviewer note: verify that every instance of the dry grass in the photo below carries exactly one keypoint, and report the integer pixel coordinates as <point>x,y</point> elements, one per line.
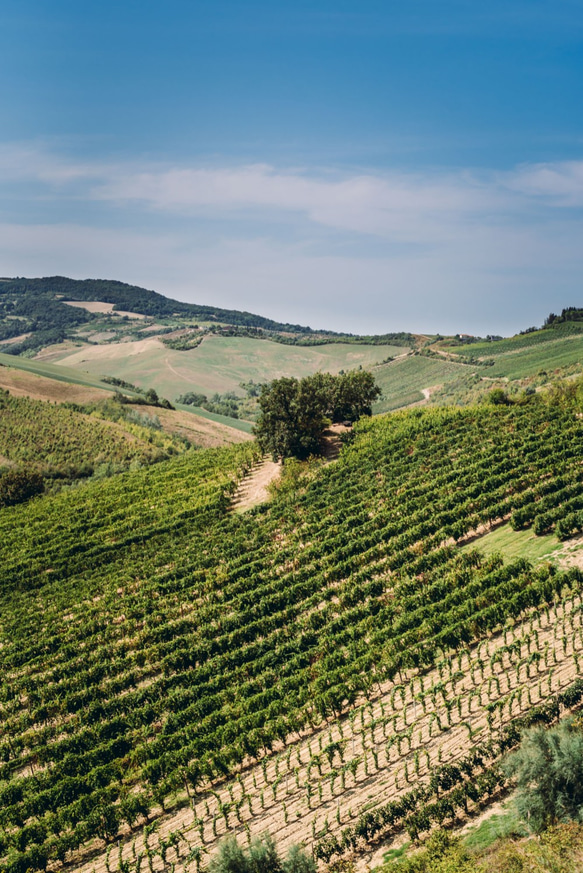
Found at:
<point>21,383</point>
<point>199,431</point>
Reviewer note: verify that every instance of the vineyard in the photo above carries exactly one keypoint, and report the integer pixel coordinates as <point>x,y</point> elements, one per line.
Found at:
<point>63,442</point>
<point>330,666</point>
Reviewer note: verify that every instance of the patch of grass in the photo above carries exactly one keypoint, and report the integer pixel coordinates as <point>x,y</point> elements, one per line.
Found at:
<point>515,544</point>
<point>395,854</point>
<point>507,824</point>
<point>236,423</point>
<point>219,364</point>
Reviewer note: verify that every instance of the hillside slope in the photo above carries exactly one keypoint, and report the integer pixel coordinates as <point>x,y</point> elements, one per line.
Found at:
<point>291,667</point>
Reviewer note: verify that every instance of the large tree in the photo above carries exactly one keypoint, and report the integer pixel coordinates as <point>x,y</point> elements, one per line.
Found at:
<point>295,412</point>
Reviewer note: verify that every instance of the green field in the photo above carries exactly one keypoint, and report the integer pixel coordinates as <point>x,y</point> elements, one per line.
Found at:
<point>65,375</point>
<point>515,343</point>
<point>402,381</point>
<point>236,423</point>
<point>219,364</point>
<point>530,361</point>
<point>514,544</point>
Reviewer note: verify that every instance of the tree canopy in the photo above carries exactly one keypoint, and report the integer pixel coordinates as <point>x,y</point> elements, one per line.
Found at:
<point>295,412</point>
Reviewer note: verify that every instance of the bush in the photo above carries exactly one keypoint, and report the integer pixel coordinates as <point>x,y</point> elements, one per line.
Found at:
<point>549,772</point>
<point>541,525</point>
<point>260,857</point>
<point>16,486</point>
<point>442,853</point>
<point>498,397</point>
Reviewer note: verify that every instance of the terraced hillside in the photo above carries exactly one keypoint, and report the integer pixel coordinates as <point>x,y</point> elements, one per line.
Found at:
<point>330,665</point>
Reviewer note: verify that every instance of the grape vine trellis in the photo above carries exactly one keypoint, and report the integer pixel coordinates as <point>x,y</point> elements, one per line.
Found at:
<point>154,644</point>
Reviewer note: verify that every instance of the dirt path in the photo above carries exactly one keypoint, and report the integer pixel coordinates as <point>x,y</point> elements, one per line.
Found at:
<point>253,488</point>
<point>332,442</point>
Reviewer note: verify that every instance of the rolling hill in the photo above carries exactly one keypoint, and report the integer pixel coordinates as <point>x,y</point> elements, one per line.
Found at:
<point>331,666</point>
<point>343,663</point>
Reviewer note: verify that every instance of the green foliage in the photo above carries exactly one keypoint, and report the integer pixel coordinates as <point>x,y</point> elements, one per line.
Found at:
<point>150,636</point>
<point>442,853</point>
<point>17,486</point>
<point>498,397</point>
<point>38,302</point>
<point>294,413</point>
<point>121,383</point>
<point>260,857</point>
<point>570,313</point>
<point>191,398</point>
<point>66,442</point>
<point>227,404</point>
<point>548,769</point>
<point>292,417</point>
<point>559,849</point>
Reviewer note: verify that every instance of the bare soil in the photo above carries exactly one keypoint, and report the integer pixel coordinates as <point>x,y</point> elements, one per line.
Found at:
<point>570,554</point>
<point>198,430</point>
<point>332,442</point>
<point>254,487</point>
<point>90,305</point>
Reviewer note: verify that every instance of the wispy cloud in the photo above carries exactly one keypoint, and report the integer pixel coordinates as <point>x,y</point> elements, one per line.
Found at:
<point>362,251</point>
<point>558,184</point>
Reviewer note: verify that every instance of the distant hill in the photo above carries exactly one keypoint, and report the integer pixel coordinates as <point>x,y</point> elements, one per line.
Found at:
<point>38,307</point>
<point>125,297</point>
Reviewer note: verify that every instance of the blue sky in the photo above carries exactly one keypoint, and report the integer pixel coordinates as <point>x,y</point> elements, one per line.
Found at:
<point>365,166</point>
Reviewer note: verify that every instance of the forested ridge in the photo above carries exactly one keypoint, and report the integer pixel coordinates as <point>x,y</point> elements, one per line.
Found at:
<point>39,306</point>
<point>40,301</point>
<point>153,642</point>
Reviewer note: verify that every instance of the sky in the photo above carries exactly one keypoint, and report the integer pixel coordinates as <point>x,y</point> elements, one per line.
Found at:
<point>358,165</point>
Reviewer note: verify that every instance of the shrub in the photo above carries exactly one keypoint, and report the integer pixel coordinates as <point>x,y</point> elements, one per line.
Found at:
<point>549,772</point>
<point>16,486</point>
<point>260,857</point>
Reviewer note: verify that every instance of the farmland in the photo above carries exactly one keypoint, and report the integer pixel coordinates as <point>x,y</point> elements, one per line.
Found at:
<point>218,364</point>
<point>37,380</point>
<point>63,441</point>
<point>403,381</point>
<point>330,665</point>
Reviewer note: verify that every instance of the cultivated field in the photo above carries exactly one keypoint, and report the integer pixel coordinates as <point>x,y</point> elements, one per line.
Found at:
<point>322,784</point>
<point>403,381</point>
<point>219,364</point>
<point>329,665</point>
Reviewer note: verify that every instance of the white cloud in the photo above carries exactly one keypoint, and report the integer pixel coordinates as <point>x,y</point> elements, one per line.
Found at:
<point>476,251</point>
<point>560,184</point>
<point>404,208</point>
